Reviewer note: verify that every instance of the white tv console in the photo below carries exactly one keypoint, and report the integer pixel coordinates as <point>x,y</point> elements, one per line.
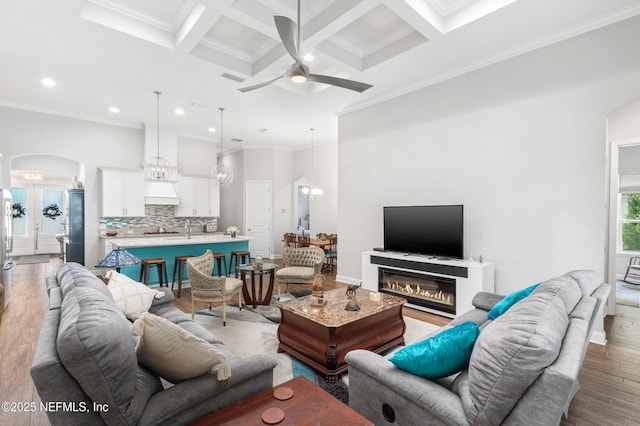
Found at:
<point>471,277</point>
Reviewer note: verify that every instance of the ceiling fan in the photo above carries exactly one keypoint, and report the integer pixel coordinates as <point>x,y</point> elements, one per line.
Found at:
<point>299,71</point>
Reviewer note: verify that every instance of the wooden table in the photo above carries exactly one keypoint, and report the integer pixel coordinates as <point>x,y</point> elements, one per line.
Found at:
<point>321,337</point>
<point>309,405</point>
<point>259,299</point>
<point>319,243</point>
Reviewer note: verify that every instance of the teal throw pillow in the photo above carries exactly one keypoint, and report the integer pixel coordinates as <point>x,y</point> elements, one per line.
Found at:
<point>439,356</point>
<point>509,300</point>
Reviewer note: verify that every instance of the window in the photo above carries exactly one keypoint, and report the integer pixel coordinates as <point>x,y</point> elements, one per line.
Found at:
<point>51,201</point>
<point>19,196</point>
<point>629,223</point>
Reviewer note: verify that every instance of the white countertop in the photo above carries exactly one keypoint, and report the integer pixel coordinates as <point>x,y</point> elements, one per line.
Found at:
<point>174,240</point>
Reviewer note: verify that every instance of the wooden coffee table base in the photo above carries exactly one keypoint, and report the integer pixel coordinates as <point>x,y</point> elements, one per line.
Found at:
<point>309,405</point>
<point>323,344</point>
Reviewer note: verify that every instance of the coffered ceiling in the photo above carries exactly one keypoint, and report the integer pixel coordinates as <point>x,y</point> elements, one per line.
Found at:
<point>115,53</point>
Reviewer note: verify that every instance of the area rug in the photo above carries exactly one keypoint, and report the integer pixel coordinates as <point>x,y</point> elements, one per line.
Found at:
<point>627,294</point>
<point>38,258</point>
<point>247,333</point>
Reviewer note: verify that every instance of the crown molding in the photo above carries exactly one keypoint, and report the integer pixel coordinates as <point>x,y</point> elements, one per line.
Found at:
<point>603,21</point>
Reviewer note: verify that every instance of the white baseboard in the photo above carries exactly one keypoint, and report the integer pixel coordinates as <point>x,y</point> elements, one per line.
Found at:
<point>599,337</point>
<point>348,280</point>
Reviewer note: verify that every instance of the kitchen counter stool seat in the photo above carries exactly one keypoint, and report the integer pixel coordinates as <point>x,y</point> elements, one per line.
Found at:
<point>239,256</point>
<point>179,264</point>
<point>221,260</point>
<point>160,264</point>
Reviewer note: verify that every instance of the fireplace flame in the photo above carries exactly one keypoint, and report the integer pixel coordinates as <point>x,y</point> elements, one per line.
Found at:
<point>435,295</point>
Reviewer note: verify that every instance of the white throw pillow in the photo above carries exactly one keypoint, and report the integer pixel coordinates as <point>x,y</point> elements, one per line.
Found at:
<point>173,353</point>
<point>132,297</point>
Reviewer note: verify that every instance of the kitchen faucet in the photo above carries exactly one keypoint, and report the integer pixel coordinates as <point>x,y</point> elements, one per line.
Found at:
<point>187,229</point>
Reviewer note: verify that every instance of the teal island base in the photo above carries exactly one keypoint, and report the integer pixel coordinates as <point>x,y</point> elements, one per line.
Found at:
<point>169,252</point>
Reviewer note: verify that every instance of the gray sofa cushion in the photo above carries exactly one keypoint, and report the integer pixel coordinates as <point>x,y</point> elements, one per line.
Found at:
<point>96,346</point>
<point>510,354</point>
<point>72,275</point>
<point>565,288</point>
<point>588,280</point>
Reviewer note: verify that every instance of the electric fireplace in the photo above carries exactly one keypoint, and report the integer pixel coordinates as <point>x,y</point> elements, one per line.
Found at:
<point>428,291</point>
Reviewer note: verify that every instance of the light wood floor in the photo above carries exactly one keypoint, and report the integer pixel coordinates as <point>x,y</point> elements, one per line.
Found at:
<point>610,377</point>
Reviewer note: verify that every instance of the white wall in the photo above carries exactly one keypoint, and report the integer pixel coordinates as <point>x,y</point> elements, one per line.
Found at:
<point>323,210</point>
<point>89,143</point>
<point>196,156</point>
<point>521,144</point>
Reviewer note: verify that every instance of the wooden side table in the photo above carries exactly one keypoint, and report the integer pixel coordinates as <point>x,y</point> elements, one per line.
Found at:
<point>255,298</point>
<point>309,405</point>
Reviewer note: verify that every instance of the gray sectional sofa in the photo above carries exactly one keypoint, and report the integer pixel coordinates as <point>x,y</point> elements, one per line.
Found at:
<point>84,328</point>
<point>523,368</point>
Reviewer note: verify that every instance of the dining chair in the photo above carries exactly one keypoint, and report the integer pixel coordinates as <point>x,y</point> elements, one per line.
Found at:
<point>303,241</point>
<point>331,252</point>
<point>290,239</point>
<point>208,288</point>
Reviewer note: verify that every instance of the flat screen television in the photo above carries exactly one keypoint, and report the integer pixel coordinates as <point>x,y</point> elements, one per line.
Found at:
<point>427,230</point>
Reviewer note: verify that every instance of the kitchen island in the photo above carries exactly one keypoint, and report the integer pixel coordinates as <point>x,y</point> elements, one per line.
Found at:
<point>168,247</point>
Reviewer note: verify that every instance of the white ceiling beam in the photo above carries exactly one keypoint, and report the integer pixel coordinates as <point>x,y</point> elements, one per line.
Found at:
<point>193,30</point>
<point>412,17</point>
<point>332,20</point>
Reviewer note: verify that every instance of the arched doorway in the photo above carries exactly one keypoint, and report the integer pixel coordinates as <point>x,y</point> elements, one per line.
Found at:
<point>38,188</point>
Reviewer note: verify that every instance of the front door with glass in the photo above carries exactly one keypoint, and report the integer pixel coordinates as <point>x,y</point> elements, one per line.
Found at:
<point>38,216</point>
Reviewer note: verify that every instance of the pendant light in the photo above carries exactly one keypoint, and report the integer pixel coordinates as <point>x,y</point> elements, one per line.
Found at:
<point>312,192</point>
<point>158,168</point>
<point>223,176</point>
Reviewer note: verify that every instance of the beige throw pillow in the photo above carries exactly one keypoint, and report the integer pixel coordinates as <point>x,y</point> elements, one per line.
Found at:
<point>173,353</point>
<point>132,297</point>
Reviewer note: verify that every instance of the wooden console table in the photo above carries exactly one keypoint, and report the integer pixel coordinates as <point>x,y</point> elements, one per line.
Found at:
<point>321,337</point>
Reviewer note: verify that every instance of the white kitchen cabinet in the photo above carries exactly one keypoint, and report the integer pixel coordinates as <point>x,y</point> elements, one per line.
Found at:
<point>197,199</point>
<point>122,193</point>
<point>214,200</point>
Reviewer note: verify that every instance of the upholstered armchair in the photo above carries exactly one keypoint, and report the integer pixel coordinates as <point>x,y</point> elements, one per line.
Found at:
<point>301,264</point>
<point>207,288</point>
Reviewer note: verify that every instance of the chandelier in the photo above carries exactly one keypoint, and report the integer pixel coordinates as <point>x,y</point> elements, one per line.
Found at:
<point>311,192</point>
<point>222,175</point>
<point>158,168</point>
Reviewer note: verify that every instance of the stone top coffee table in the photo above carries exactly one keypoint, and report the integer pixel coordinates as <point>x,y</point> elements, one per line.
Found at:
<point>321,337</point>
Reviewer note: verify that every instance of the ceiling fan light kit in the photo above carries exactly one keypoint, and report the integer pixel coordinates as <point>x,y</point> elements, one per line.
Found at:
<point>298,72</point>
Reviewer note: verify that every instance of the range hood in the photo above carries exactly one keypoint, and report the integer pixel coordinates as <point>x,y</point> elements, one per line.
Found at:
<point>161,191</point>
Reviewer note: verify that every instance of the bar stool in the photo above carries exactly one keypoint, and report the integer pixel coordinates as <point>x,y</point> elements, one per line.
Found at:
<point>239,255</point>
<point>178,266</point>
<point>221,260</point>
<point>160,265</point>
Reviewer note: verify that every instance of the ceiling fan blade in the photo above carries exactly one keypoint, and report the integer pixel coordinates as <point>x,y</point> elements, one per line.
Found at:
<point>340,82</point>
<point>257,86</point>
<point>287,31</point>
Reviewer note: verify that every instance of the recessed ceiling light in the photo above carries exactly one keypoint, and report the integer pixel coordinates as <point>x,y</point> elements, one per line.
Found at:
<point>114,110</point>
<point>178,111</point>
<point>308,57</point>
<point>48,82</point>
<point>211,129</point>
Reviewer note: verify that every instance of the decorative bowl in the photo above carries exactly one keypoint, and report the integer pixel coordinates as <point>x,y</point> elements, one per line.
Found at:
<point>111,233</point>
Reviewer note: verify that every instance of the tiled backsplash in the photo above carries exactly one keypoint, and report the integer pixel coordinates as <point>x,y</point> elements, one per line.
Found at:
<point>155,216</point>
